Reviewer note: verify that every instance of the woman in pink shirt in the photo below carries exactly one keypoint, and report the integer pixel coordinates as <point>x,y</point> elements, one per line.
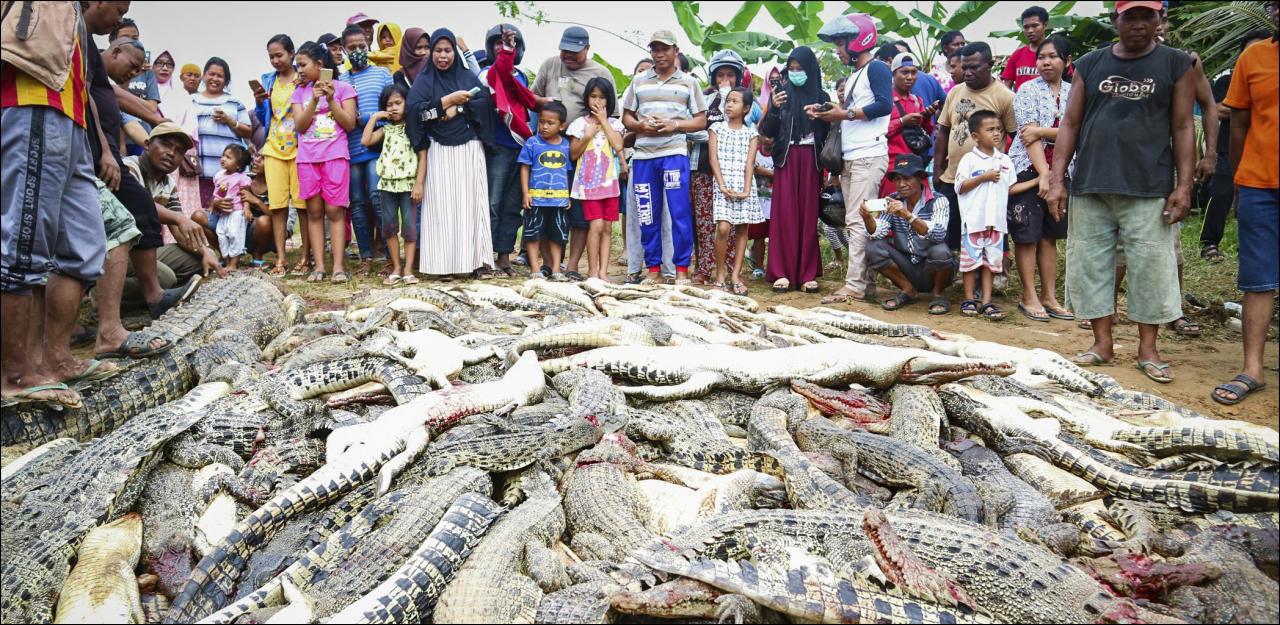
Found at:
<point>324,111</point>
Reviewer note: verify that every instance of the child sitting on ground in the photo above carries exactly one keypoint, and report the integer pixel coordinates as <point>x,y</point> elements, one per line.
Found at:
<point>733,163</point>
<point>983,180</point>
<point>544,179</point>
<point>402,175</point>
<point>597,139</point>
<point>232,222</point>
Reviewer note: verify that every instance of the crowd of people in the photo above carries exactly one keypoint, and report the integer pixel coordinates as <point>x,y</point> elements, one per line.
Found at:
<point>133,177</point>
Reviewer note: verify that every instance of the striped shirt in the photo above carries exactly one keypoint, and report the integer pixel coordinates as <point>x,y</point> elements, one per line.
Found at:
<point>678,97</point>
<point>19,89</point>
<point>368,84</point>
<point>931,209</point>
<point>215,137</point>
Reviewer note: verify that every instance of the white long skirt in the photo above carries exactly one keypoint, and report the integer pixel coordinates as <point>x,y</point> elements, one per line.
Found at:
<point>455,236</point>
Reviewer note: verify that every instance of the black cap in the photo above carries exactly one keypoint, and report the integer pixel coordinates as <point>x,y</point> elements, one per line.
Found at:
<point>327,39</point>
<point>575,39</point>
<point>906,165</point>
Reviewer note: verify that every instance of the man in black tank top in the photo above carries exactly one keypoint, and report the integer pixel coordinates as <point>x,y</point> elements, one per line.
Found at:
<point>1129,121</point>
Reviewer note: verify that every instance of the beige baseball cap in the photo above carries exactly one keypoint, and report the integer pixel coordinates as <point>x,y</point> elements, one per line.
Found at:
<point>172,129</point>
<point>663,36</point>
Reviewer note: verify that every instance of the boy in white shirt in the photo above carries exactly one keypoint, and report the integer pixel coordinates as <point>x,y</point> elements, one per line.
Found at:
<point>983,180</point>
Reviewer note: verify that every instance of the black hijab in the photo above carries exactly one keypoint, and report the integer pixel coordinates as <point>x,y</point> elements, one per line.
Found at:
<point>431,86</point>
<point>789,124</point>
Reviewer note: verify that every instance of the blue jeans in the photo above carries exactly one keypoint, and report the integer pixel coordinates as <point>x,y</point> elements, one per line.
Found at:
<point>364,204</point>
<point>1259,217</point>
<point>504,197</point>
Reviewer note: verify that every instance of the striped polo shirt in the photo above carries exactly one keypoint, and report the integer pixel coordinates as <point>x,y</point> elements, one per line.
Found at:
<point>19,89</point>
<point>369,83</point>
<point>678,97</point>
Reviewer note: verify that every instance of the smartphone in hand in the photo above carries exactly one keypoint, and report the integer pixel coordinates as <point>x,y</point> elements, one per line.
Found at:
<point>326,75</point>
<point>255,86</point>
<point>474,91</point>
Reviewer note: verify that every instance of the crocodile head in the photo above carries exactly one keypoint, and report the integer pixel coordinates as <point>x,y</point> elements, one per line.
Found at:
<point>853,404</point>
<point>935,369</point>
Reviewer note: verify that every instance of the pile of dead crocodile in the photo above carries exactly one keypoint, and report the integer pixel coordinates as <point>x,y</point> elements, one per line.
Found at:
<point>599,453</point>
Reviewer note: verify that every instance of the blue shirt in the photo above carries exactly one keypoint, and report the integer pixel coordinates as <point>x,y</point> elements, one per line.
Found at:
<point>368,83</point>
<point>549,167</point>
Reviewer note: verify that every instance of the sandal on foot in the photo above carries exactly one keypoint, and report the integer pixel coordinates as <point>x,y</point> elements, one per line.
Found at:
<point>992,312</point>
<point>316,276</point>
<point>168,300</point>
<point>899,301</point>
<point>717,286</point>
<point>842,296</point>
<point>738,288</point>
<point>507,271</point>
<point>1089,359</point>
<point>969,308</point>
<point>574,276</point>
<point>97,371</point>
<point>1044,316</point>
<point>1060,313</point>
<point>781,285</point>
<point>1145,366</point>
<point>483,273</point>
<point>1212,254</point>
<point>301,269</point>
<point>409,279</point>
<point>391,279</point>
<point>1242,385</point>
<point>940,306</point>
<point>1185,327</point>
<point>57,393</point>
<point>1085,324</point>
<point>340,277</point>
<point>810,287</point>
<point>138,345</point>
<point>279,271</point>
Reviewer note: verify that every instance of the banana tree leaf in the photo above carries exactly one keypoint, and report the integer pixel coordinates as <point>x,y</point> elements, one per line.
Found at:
<point>811,11</point>
<point>788,17</point>
<point>761,55</point>
<point>748,40</point>
<point>1062,8</point>
<point>745,15</point>
<point>938,27</point>
<point>891,19</point>
<point>687,17</point>
<point>968,13</point>
<point>621,79</point>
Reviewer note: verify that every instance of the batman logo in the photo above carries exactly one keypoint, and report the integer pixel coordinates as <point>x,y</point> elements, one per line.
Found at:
<point>553,159</point>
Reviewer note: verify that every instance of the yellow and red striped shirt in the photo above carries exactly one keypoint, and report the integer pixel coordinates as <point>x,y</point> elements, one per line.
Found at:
<point>19,89</point>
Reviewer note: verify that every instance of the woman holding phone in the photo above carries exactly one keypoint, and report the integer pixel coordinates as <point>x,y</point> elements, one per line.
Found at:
<point>794,258</point>
<point>450,115</point>
<point>274,95</point>
<point>221,121</point>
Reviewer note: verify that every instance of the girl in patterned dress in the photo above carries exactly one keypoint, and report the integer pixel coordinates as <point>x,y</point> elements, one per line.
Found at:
<point>402,174</point>
<point>733,163</point>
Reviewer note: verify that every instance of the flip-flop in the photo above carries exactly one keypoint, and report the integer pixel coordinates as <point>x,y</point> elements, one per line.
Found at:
<point>1242,385</point>
<point>97,371</point>
<point>574,276</point>
<point>392,279</point>
<point>1029,315</point>
<point>138,345</point>
<point>786,285</point>
<point>32,394</point>
<point>316,276</point>
<point>940,301</point>
<point>507,271</point>
<point>278,272</point>
<point>1089,359</point>
<point>1060,313</point>
<point>409,279</point>
<point>340,277</point>
<point>899,301</point>
<point>1163,378</point>
<point>810,288</point>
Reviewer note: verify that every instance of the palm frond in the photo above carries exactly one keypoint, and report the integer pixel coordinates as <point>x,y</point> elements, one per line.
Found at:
<point>1215,33</point>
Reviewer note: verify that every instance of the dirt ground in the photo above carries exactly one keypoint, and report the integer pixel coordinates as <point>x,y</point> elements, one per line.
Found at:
<point>1199,364</point>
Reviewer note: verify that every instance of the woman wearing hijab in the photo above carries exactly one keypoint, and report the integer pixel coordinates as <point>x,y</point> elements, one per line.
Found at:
<point>455,125</point>
<point>387,37</point>
<point>794,257</point>
<point>415,47</point>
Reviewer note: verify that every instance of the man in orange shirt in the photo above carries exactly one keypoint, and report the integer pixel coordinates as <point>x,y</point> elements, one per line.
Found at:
<point>1254,99</point>
<point>52,240</point>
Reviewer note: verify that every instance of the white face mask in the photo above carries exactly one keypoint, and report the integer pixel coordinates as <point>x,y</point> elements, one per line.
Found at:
<point>724,92</point>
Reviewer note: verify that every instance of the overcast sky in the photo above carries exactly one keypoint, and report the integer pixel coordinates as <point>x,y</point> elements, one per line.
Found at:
<point>238,31</point>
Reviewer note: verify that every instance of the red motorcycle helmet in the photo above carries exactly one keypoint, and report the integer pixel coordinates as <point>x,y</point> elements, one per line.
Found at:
<point>858,28</point>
